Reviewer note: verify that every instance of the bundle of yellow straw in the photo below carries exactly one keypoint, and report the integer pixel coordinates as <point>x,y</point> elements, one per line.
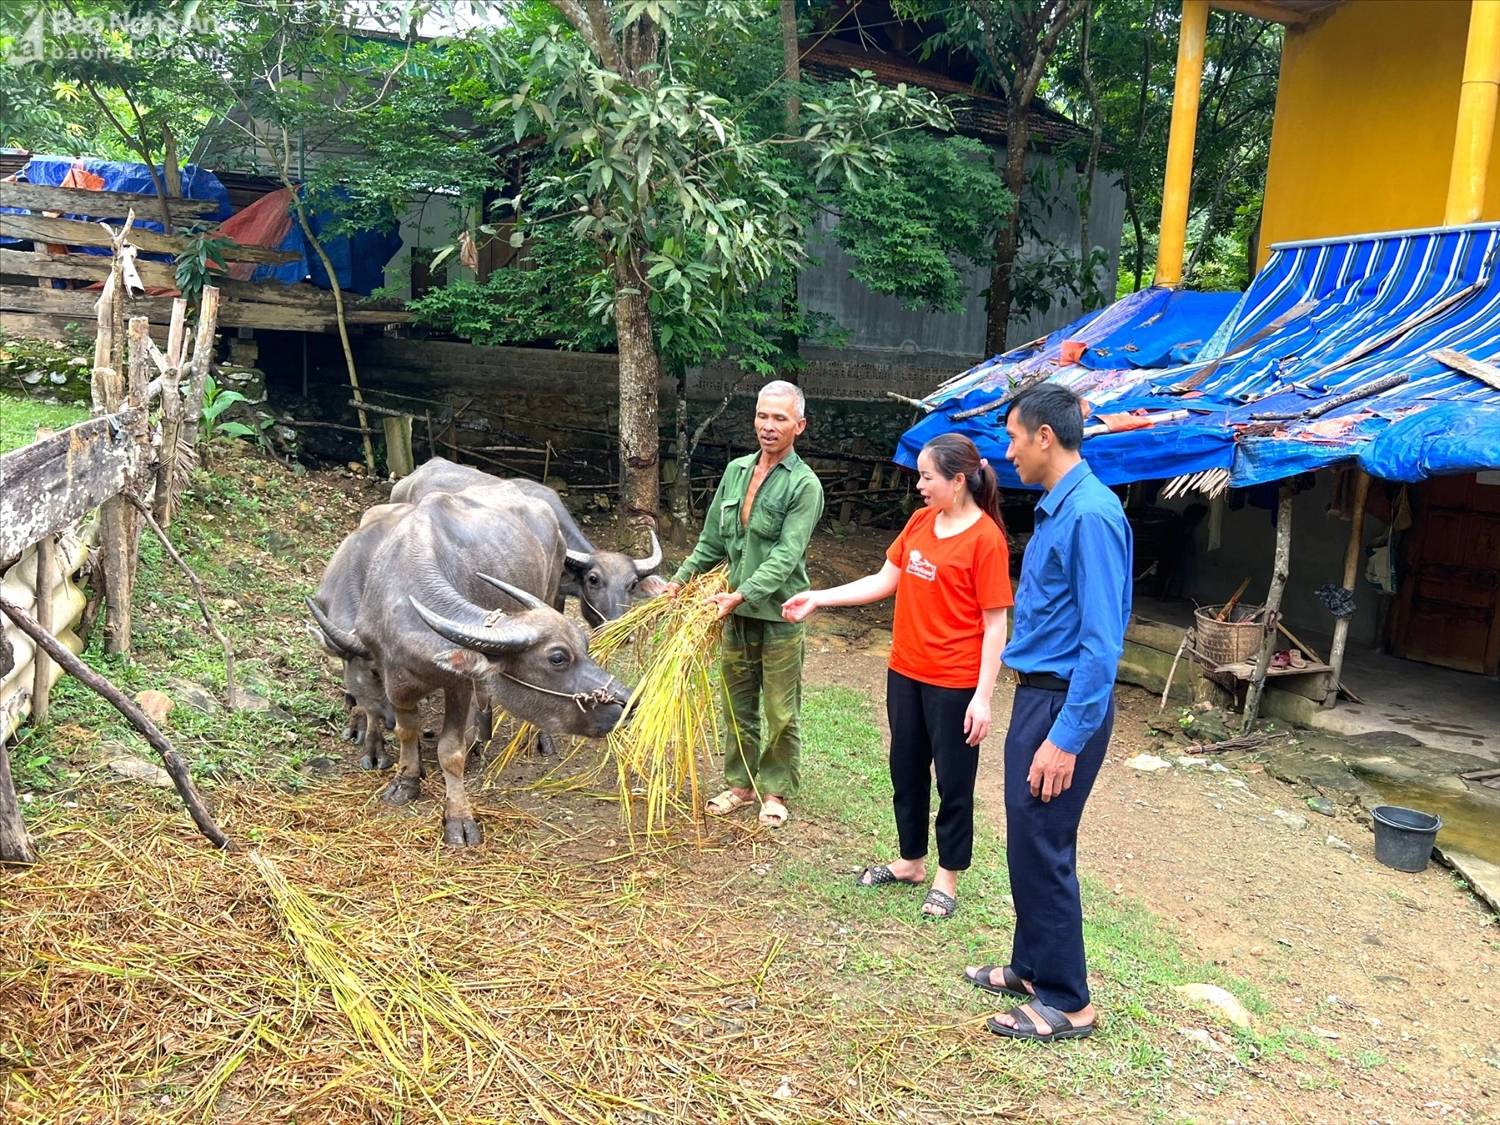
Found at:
<point>669,648</point>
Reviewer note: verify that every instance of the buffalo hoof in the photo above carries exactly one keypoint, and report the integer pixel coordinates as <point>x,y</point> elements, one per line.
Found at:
<point>381,761</point>
<point>352,735</point>
<point>401,790</point>
<point>545,745</point>
<point>461,832</point>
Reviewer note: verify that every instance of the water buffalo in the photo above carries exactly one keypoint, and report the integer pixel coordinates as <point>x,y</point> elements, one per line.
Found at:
<point>458,601</point>
<point>335,607</point>
<point>604,582</point>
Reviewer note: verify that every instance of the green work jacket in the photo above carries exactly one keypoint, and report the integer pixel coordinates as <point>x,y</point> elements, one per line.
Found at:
<point>768,559</point>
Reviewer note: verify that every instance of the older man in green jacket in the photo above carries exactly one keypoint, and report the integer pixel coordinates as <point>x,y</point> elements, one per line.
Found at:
<point>761,520</point>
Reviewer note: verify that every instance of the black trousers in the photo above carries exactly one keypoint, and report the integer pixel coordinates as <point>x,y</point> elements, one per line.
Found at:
<point>927,736</point>
<point>1041,847</point>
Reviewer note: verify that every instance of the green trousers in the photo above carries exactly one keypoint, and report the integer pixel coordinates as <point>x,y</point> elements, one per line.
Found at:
<point>761,668</point>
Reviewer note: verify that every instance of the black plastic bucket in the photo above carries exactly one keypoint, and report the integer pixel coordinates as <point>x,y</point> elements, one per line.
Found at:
<point>1403,837</point>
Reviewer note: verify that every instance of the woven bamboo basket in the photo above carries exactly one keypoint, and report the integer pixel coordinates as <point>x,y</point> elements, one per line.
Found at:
<point>1236,641</point>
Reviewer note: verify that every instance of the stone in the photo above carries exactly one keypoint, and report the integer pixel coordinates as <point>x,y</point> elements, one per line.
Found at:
<point>156,705</point>
<point>320,765</point>
<point>1335,842</point>
<point>193,695</point>
<point>134,769</point>
<point>1148,762</point>
<point>1190,763</point>
<point>1212,996</point>
<point>1322,805</point>
<point>248,699</point>
<point>1290,819</point>
<point>1208,726</point>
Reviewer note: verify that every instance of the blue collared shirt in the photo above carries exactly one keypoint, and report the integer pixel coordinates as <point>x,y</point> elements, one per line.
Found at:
<point>1074,600</point>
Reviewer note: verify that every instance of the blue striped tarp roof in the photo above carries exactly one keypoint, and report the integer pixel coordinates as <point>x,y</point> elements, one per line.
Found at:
<point>1322,320</point>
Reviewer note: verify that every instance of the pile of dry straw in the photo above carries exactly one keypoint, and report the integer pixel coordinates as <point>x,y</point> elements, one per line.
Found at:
<point>346,969</point>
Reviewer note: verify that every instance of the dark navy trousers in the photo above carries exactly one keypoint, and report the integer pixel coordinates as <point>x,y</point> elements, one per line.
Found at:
<point>1041,843</point>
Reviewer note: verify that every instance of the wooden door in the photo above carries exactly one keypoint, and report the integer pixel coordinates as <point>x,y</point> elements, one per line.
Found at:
<point>1448,591</point>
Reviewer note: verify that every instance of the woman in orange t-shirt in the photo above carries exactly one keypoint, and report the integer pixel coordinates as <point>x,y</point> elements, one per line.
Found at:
<point>950,572</point>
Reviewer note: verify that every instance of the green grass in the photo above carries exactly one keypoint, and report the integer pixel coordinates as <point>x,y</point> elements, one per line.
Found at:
<point>221,513</point>
<point>885,947</point>
<point>20,416</point>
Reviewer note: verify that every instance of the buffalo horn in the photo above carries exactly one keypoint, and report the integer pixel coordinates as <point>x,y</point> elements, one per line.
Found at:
<point>341,638</point>
<point>530,601</point>
<point>506,635</point>
<point>580,559</point>
<point>645,566</point>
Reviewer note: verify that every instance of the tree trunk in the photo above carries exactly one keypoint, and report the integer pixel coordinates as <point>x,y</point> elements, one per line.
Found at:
<point>640,378</point>
<point>791,61</point>
<point>1006,241</point>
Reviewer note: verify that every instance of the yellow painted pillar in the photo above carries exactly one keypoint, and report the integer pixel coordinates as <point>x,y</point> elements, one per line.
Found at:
<point>1179,176</point>
<point>1476,115</point>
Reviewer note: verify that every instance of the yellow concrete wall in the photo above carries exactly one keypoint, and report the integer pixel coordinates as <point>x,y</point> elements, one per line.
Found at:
<point>1365,118</point>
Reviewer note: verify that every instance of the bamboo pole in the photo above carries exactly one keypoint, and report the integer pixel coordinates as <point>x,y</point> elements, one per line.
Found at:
<point>1351,570</point>
<point>1279,573</point>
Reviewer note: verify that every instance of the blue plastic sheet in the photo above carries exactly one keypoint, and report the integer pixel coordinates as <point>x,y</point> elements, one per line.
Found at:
<point>1321,321</point>
<point>1447,439</point>
<point>119,175</point>
<point>1175,328</point>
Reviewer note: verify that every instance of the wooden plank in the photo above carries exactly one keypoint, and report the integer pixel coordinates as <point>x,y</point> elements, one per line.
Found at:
<point>1486,373</point>
<point>90,267</point>
<point>79,303</point>
<point>73,232</point>
<point>99,204</point>
<point>48,484</point>
<point>41,326</point>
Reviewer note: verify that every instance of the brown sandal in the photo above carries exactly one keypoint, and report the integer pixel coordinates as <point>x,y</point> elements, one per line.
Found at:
<point>726,803</point>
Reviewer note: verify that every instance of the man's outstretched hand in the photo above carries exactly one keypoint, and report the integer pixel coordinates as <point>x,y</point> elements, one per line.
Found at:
<point>1051,771</point>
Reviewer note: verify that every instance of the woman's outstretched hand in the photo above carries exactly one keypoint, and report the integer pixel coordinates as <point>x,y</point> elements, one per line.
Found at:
<point>799,607</point>
<point>977,721</point>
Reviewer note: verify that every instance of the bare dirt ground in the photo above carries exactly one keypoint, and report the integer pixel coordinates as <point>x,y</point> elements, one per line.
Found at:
<point>1398,974</point>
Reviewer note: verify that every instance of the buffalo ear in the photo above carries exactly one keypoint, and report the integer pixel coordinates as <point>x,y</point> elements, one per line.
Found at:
<point>464,662</point>
<point>323,642</point>
<point>651,586</point>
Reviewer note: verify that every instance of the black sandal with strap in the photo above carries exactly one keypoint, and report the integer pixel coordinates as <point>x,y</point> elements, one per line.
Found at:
<point>944,902</point>
<point>1013,986</point>
<point>882,876</point>
<point>1026,1027</point>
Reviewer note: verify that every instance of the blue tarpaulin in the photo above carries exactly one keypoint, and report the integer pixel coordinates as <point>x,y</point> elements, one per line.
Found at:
<point>358,258</point>
<point>120,175</point>
<point>1322,320</point>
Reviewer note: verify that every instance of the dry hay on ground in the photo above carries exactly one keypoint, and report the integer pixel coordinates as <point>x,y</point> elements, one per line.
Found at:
<point>346,969</point>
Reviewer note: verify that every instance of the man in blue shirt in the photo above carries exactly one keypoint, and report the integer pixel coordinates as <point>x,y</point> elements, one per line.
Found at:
<point>1071,610</point>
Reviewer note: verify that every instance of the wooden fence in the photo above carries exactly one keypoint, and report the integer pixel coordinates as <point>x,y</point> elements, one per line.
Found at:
<point>110,463</point>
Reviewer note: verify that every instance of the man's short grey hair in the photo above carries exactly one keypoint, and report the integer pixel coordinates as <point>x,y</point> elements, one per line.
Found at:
<point>780,387</point>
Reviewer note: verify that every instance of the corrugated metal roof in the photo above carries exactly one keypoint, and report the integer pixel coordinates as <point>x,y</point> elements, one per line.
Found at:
<point>981,115</point>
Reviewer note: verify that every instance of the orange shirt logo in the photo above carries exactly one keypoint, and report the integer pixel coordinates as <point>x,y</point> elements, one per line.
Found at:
<point>920,567</point>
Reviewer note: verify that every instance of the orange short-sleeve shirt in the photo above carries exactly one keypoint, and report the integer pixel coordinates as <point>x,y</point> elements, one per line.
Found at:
<point>944,589</point>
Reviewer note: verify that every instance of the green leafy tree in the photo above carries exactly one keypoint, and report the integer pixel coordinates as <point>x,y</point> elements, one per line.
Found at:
<point>682,203</point>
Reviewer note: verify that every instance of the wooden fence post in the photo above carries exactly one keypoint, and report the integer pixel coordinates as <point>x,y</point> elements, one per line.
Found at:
<point>1280,570</point>
<point>171,413</point>
<point>203,354</point>
<point>41,681</point>
<point>1351,571</point>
